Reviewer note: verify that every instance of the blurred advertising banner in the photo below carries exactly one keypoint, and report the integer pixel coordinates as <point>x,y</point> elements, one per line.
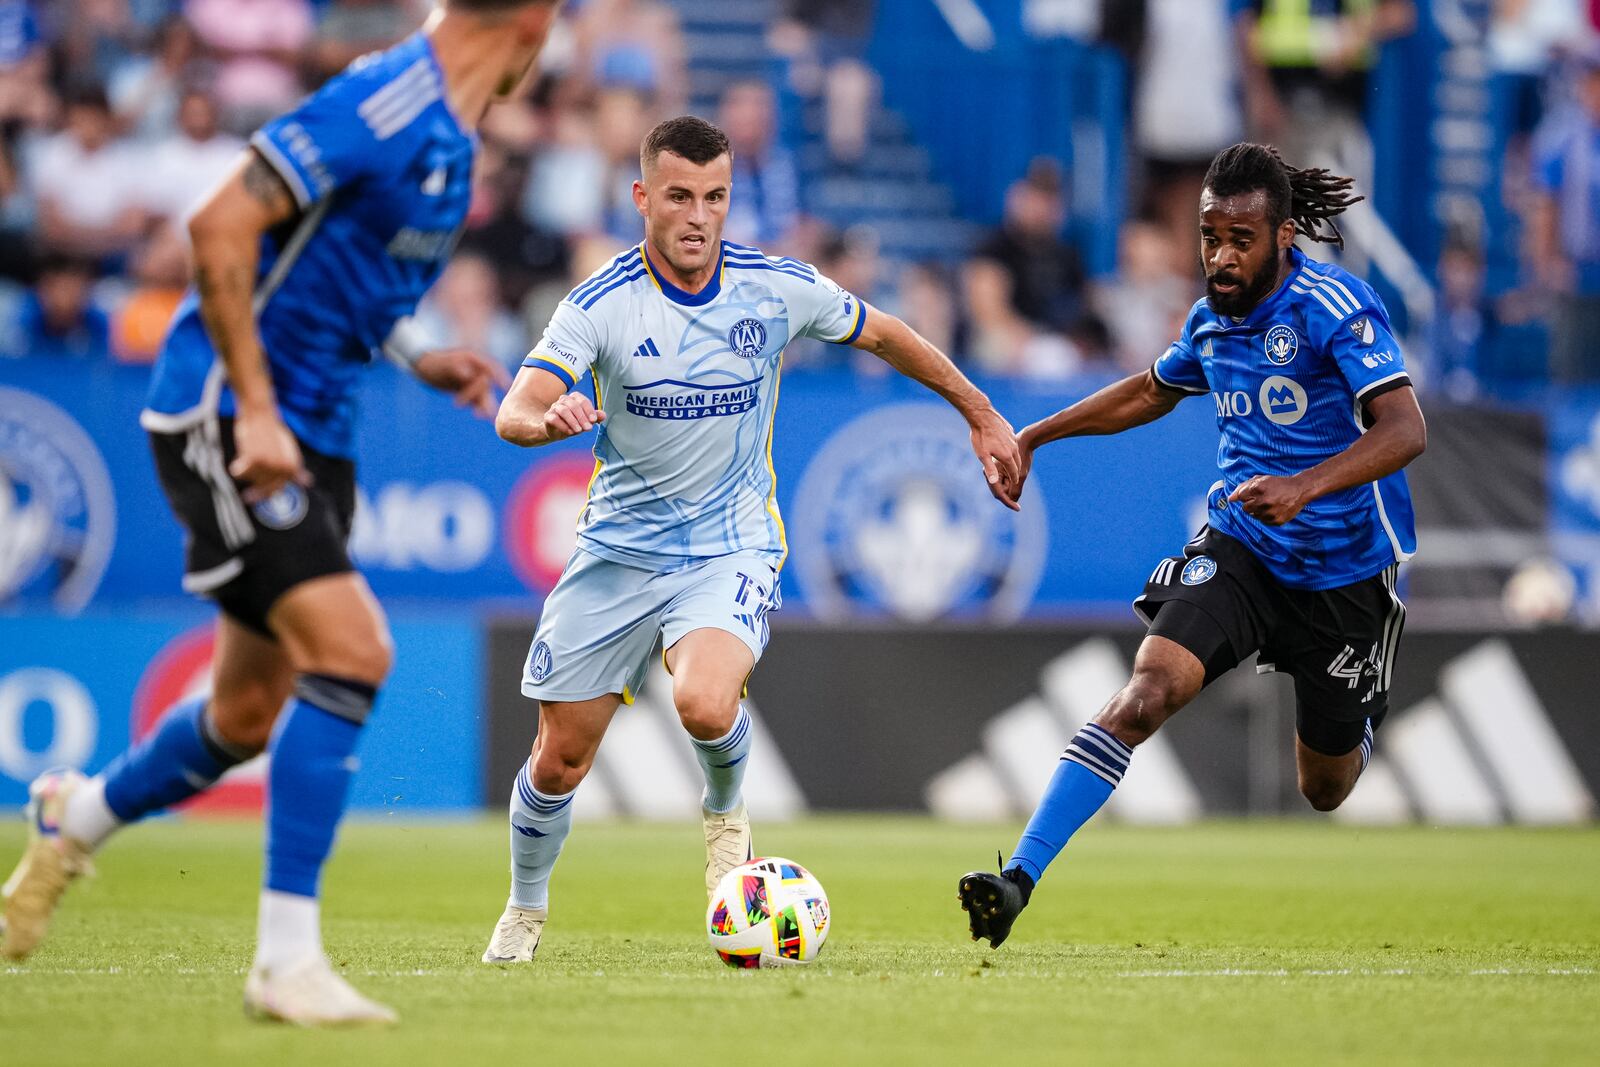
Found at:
<point>74,691</point>
<point>887,515</point>
<point>968,723</point>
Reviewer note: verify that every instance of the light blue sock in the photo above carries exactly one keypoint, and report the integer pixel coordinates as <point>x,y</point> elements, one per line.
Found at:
<point>1090,769</point>
<point>181,757</point>
<point>313,760</point>
<point>723,761</point>
<point>540,823</point>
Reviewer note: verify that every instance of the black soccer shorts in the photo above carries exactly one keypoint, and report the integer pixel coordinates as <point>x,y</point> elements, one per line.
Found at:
<point>1221,603</point>
<point>245,556</point>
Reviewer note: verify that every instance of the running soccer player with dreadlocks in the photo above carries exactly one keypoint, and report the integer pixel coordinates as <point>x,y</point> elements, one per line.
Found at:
<point>1307,524</point>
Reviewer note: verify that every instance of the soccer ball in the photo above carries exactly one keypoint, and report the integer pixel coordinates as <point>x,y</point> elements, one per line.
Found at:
<point>769,912</point>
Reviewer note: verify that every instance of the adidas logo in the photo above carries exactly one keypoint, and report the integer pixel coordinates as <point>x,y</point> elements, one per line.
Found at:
<point>1006,778</point>
<point>1480,752</point>
<point>648,350</point>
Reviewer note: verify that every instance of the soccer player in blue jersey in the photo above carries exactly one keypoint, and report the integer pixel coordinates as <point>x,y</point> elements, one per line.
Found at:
<point>1307,525</point>
<point>308,260</point>
<point>681,541</point>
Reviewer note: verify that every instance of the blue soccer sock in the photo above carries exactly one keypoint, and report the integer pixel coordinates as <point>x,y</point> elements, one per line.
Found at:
<point>313,761</point>
<point>308,783</point>
<point>1090,769</point>
<point>723,761</point>
<point>540,823</point>
<point>183,756</point>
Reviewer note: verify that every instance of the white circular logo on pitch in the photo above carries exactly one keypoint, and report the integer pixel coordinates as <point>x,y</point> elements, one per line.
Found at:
<point>1283,400</point>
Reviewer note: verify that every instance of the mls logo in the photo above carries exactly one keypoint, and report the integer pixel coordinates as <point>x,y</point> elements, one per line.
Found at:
<point>1362,328</point>
<point>540,662</point>
<point>1199,570</point>
<point>1282,345</point>
<point>1283,400</point>
<point>747,338</point>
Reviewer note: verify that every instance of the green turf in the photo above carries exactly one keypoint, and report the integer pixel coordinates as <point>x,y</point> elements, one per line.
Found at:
<point>1300,943</point>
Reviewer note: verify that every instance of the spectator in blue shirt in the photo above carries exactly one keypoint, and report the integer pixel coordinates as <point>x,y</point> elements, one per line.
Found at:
<point>1566,228</point>
<point>764,172</point>
<point>58,317</point>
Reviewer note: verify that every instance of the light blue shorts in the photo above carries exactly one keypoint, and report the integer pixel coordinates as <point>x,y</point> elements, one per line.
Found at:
<point>602,620</point>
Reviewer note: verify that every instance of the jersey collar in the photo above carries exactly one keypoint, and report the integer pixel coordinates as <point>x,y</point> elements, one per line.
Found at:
<point>679,296</point>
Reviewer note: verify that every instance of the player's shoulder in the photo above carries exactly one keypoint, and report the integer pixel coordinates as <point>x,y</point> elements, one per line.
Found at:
<point>748,259</point>
<point>619,271</point>
<point>1329,294</point>
<point>386,91</point>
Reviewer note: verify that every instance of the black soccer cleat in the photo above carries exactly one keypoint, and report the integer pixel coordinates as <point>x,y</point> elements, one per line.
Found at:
<point>993,902</point>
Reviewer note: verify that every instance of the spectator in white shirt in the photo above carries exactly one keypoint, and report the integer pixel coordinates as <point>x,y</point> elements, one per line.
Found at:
<point>185,166</point>
<point>87,184</point>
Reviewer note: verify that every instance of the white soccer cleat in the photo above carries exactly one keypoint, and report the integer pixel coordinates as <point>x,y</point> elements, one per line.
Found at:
<point>727,843</point>
<point>49,864</point>
<point>516,935</point>
<point>311,994</point>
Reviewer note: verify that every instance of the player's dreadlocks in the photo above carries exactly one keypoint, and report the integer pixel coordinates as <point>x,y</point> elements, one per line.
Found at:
<point>1311,197</point>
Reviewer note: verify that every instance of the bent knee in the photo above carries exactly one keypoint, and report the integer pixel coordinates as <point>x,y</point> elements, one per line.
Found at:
<point>1323,794</point>
<point>705,712</point>
<point>557,773</point>
<point>365,655</point>
<point>1149,699</point>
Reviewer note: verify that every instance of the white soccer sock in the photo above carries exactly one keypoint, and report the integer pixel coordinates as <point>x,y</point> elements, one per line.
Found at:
<point>540,823</point>
<point>288,930</point>
<point>723,763</point>
<point>87,817</point>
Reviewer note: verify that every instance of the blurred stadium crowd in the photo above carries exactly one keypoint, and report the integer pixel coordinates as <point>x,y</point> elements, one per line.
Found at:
<point>117,115</point>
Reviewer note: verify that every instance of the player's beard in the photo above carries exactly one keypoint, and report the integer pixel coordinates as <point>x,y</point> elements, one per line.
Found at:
<point>1242,301</point>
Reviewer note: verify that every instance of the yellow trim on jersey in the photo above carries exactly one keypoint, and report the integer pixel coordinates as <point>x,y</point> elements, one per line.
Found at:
<point>855,327</point>
<point>588,490</point>
<point>649,268</point>
<point>772,497</point>
<point>566,371</point>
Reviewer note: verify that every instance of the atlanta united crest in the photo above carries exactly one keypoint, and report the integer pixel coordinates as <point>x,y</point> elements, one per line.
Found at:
<point>747,338</point>
<point>1282,345</point>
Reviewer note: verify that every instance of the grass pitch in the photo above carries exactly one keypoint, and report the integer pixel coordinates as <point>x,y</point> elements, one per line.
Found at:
<point>1302,943</point>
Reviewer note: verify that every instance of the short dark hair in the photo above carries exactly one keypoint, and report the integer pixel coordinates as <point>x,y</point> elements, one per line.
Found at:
<point>1312,197</point>
<point>693,138</point>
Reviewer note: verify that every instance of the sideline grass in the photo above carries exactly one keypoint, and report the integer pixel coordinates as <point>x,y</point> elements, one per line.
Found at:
<point>1225,943</point>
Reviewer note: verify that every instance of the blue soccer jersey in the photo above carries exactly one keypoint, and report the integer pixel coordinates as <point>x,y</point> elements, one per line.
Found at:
<point>381,170</point>
<point>1290,383</point>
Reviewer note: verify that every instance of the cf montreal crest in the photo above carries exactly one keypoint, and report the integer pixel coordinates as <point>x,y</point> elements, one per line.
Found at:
<point>747,338</point>
<point>58,515</point>
<point>893,518</point>
<point>1282,345</point>
<point>1199,570</point>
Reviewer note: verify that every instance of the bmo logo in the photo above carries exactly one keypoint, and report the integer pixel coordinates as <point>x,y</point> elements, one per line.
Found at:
<point>441,526</point>
<point>1283,400</point>
<point>56,699</point>
<point>541,522</point>
<point>1236,404</point>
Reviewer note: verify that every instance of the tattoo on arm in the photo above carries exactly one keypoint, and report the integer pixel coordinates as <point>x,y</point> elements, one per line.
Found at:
<point>267,186</point>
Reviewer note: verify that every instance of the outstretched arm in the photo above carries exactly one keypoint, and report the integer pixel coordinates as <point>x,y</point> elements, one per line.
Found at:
<point>1134,401</point>
<point>539,410</point>
<point>226,232</point>
<point>916,357</point>
<point>1397,436</point>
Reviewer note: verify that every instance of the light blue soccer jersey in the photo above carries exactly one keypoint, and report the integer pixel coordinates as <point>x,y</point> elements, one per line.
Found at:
<point>689,385</point>
<point>381,171</point>
<point>1290,383</point>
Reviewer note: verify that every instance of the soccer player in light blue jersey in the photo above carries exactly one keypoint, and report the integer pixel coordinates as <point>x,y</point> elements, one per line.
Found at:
<point>681,540</point>
<point>1308,522</point>
<point>308,260</point>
